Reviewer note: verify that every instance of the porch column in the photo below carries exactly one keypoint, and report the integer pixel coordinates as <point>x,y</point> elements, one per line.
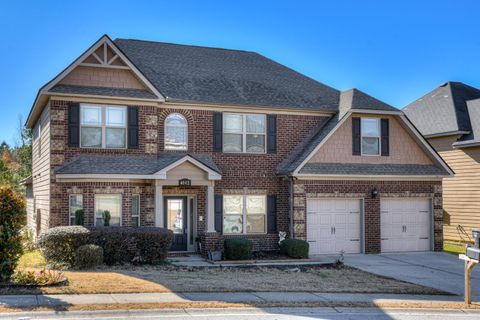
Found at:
<point>210,209</point>
<point>159,204</point>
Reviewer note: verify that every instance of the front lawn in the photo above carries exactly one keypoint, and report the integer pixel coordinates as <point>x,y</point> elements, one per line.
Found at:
<point>130,279</point>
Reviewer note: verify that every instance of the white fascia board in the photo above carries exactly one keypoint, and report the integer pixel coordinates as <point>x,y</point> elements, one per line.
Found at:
<point>110,176</point>
<point>396,113</point>
<point>212,175</point>
<point>370,177</point>
<point>445,134</point>
<point>345,117</point>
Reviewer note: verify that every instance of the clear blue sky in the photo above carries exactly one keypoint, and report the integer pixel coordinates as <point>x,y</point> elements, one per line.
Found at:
<point>394,50</point>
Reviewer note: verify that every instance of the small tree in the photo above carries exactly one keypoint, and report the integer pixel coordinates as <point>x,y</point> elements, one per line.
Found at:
<point>12,220</point>
<point>79,217</point>
<point>106,218</point>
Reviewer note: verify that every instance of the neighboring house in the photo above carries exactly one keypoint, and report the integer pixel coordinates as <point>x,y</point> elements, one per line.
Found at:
<point>215,143</point>
<point>449,117</point>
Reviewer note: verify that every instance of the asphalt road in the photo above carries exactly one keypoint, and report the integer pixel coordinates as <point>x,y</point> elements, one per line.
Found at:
<point>267,313</point>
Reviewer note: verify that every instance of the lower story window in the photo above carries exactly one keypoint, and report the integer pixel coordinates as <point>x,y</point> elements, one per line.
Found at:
<point>108,209</point>
<point>75,203</point>
<point>136,210</point>
<point>244,214</point>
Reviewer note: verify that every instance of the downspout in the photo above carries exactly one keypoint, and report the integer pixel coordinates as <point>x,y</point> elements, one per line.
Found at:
<point>291,231</point>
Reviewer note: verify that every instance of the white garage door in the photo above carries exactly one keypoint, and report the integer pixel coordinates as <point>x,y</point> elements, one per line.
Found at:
<point>405,224</point>
<point>333,225</point>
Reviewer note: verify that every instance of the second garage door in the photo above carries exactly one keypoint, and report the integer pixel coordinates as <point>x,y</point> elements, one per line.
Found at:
<point>405,224</point>
<point>333,225</point>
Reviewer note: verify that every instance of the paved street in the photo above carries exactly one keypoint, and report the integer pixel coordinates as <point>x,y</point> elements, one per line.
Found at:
<point>437,270</point>
<point>267,313</point>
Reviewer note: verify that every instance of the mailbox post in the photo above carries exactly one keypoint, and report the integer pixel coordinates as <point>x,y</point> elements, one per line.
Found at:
<point>471,258</point>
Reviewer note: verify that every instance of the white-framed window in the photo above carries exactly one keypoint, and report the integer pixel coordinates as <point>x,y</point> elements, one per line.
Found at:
<point>176,132</point>
<point>75,203</point>
<point>111,203</point>
<point>244,133</point>
<point>136,210</point>
<point>244,214</point>
<point>103,126</point>
<point>370,128</point>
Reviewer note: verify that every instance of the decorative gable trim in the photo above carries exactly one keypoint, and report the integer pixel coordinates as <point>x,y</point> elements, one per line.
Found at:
<point>95,56</point>
<point>118,60</point>
<point>212,175</point>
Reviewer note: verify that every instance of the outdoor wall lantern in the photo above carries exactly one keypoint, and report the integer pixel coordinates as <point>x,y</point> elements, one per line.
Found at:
<point>374,193</point>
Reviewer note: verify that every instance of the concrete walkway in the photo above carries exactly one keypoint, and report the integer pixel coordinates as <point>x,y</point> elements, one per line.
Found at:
<point>437,270</point>
<point>232,297</point>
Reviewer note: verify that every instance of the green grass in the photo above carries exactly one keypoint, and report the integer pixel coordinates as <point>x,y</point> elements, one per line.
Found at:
<point>453,248</point>
<point>31,259</point>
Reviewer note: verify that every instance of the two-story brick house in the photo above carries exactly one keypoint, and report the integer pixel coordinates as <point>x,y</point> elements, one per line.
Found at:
<point>216,143</point>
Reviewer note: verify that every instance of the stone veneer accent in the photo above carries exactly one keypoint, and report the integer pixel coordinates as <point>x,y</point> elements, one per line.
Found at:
<point>311,189</point>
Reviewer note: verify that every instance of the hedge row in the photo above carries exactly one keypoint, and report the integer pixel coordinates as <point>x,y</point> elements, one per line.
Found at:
<point>142,245</point>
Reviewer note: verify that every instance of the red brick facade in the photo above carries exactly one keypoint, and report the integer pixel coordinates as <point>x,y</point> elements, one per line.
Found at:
<point>240,172</point>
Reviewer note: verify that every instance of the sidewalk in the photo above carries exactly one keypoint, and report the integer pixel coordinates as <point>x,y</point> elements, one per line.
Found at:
<point>17,301</point>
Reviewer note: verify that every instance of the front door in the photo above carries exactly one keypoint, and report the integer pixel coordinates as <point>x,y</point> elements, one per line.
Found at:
<point>176,220</point>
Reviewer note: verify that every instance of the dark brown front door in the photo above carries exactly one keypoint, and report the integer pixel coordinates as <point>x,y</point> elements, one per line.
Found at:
<point>175,209</point>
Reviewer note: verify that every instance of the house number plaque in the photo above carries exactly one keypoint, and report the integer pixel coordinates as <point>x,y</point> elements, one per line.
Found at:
<point>185,182</point>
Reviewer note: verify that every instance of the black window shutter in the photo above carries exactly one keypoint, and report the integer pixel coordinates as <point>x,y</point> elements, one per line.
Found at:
<point>356,137</point>
<point>384,128</point>
<point>73,125</point>
<point>272,214</point>
<point>132,127</point>
<point>218,209</point>
<point>271,133</point>
<point>217,132</point>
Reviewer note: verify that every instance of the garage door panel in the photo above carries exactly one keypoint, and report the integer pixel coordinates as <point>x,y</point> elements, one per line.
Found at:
<point>333,223</point>
<point>405,224</point>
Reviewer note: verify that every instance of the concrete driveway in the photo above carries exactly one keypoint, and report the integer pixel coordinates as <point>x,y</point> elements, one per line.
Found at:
<point>433,269</point>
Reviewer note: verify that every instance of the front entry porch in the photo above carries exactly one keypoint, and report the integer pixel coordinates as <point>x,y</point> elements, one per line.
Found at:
<point>184,203</point>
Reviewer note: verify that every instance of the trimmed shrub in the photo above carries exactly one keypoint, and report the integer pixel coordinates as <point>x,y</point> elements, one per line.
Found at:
<point>238,249</point>
<point>59,244</point>
<point>12,220</point>
<point>79,217</point>
<point>88,256</point>
<point>295,248</point>
<point>148,245</point>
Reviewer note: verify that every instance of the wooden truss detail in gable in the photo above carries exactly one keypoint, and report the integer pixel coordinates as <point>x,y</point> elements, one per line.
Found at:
<point>105,57</point>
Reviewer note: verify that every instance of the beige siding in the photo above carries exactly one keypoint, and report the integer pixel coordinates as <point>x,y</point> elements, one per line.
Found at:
<point>187,170</point>
<point>102,77</point>
<point>41,168</point>
<point>403,148</point>
<point>461,193</point>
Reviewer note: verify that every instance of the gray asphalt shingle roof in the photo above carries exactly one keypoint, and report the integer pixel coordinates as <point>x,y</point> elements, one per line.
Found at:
<point>443,110</point>
<point>372,169</point>
<point>129,164</point>
<point>103,91</point>
<point>356,99</point>
<point>222,76</point>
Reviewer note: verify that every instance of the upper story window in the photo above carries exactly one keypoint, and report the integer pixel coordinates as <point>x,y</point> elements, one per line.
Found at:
<point>103,126</point>
<point>244,133</point>
<point>370,136</point>
<point>176,132</point>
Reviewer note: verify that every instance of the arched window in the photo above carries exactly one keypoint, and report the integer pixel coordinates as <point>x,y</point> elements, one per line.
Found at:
<point>176,132</point>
